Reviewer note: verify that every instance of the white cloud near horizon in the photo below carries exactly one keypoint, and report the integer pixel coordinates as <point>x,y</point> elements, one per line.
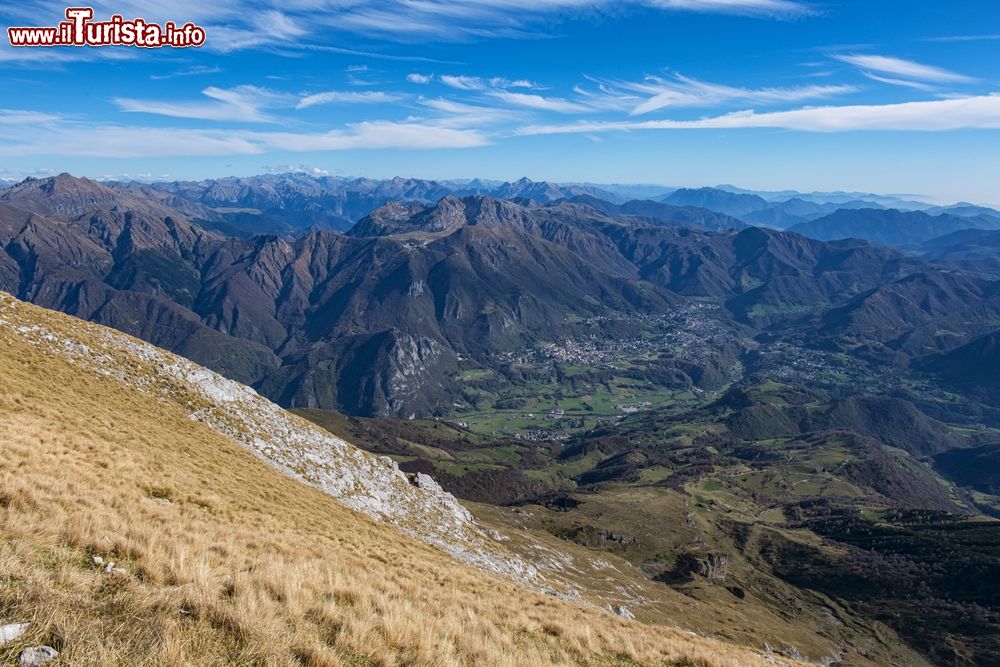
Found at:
<point>979,112</point>
<point>247,103</point>
<point>296,169</point>
<point>22,117</point>
<point>368,135</point>
<point>117,141</point>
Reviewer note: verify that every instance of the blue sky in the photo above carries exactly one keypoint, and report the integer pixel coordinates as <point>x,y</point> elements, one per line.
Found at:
<point>878,95</point>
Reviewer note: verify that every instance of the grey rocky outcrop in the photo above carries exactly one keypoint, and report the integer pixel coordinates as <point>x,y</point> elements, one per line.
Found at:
<point>36,656</point>
<point>11,631</point>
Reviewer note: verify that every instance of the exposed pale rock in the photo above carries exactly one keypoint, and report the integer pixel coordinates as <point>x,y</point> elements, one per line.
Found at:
<point>36,656</point>
<point>11,632</point>
<point>426,482</point>
<point>624,612</point>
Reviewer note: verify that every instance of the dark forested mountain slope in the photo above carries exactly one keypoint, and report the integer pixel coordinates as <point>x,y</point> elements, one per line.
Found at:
<point>972,250</point>
<point>973,367</point>
<point>924,313</point>
<point>763,276</point>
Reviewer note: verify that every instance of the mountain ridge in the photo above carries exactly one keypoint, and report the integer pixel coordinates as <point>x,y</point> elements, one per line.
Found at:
<point>905,229</point>
<point>415,291</point>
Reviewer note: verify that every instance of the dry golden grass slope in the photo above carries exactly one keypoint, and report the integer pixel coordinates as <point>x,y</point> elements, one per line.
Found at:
<point>226,558</point>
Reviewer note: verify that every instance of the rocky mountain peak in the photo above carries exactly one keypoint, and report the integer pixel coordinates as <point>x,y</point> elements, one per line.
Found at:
<point>451,212</point>
<point>63,195</point>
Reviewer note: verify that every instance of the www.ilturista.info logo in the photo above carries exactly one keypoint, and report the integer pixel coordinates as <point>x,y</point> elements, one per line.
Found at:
<point>79,29</point>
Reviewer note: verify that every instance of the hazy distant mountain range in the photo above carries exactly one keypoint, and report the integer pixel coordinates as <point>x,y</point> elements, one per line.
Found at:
<point>289,204</point>
<point>915,202</point>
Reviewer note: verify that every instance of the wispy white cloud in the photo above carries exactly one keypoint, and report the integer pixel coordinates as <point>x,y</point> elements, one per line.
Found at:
<point>463,82</point>
<point>979,112</point>
<point>900,82</point>
<point>122,141</point>
<point>751,7</point>
<point>964,38</point>
<point>656,93</point>
<point>465,19</point>
<point>415,77</point>
<point>117,141</point>
<point>248,103</point>
<point>348,97</point>
<point>481,83</point>
<point>277,25</point>
<point>907,69</point>
<point>607,97</point>
<point>375,55</point>
<point>370,135</point>
<point>500,82</point>
<point>54,58</point>
<point>196,70</point>
<point>142,177</point>
<point>20,117</point>
<point>460,114</point>
<point>242,104</point>
<point>538,102</point>
<point>818,74</point>
<point>506,90</point>
<point>10,175</point>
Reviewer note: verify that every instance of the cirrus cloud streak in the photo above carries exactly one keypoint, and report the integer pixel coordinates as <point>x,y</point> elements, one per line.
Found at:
<point>979,112</point>
<point>116,141</point>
